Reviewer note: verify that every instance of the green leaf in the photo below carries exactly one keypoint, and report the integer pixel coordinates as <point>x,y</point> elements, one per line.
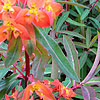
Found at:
<point>72,34</point>
<point>80,44</point>
<point>73,4</point>
<point>56,53</point>
<point>83,59</point>
<point>88,37</point>
<point>93,81</point>
<point>69,20</point>
<point>93,41</point>
<point>7,85</point>
<point>3,71</point>
<point>40,61</point>
<point>29,47</point>
<point>14,51</point>
<point>96,21</point>
<point>71,54</point>
<point>85,14</point>
<point>88,93</point>
<point>61,21</point>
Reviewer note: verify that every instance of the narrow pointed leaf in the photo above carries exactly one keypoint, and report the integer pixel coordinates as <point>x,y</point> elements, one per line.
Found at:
<point>72,34</point>
<point>93,81</point>
<point>88,37</point>
<point>88,93</point>
<point>61,21</point>
<point>85,14</point>
<point>80,44</point>
<point>69,20</point>
<point>56,53</point>
<point>71,54</point>
<point>83,59</point>
<point>14,51</point>
<point>93,41</point>
<point>40,61</point>
<point>73,4</point>
<point>95,64</point>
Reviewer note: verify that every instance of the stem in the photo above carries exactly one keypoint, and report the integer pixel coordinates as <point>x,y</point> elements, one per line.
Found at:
<point>95,64</point>
<point>27,68</point>
<point>93,5</point>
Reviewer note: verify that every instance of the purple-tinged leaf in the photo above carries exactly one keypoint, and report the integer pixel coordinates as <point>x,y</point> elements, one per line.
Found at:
<point>54,70</point>
<point>14,51</point>
<point>71,54</point>
<point>40,61</point>
<point>88,93</point>
<point>93,81</point>
<point>95,64</point>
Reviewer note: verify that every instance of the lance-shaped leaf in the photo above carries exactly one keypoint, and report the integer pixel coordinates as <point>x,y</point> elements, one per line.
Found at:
<point>71,33</point>
<point>56,53</point>
<point>93,81</point>
<point>88,37</point>
<point>40,61</point>
<point>93,41</point>
<point>14,51</point>
<point>8,84</point>
<point>71,54</point>
<point>83,59</point>
<point>88,93</point>
<point>61,21</point>
<point>73,4</point>
<point>95,64</point>
<point>69,20</point>
<point>85,14</point>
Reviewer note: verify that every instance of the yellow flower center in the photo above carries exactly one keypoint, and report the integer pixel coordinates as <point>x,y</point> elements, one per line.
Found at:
<point>7,7</point>
<point>33,11</point>
<point>48,8</point>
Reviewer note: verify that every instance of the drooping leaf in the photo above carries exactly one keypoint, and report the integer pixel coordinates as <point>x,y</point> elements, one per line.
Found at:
<point>30,44</point>
<point>40,61</point>
<point>71,54</point>
<point>56,53</point>
<point>14,51</point>
<point>69,20</point>
<point>88,93</point>
<point>72,33</point>
<point>61,21</point>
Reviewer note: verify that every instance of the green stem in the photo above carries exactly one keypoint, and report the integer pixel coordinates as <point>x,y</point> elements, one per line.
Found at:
<point>27,68</point>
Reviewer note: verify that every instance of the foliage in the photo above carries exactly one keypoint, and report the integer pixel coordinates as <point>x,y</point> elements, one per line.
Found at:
<point>49,49</point>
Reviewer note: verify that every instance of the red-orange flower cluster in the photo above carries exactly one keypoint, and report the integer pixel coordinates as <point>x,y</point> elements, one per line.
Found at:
<point>44,91</point>
<point>16,19</point>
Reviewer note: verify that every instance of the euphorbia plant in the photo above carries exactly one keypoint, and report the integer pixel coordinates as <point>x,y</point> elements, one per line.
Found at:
<point>26,27</point>
<point>18,29</point>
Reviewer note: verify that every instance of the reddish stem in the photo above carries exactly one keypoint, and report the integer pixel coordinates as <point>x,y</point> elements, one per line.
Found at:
<point>93,5</point>
<point>27,68</point>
